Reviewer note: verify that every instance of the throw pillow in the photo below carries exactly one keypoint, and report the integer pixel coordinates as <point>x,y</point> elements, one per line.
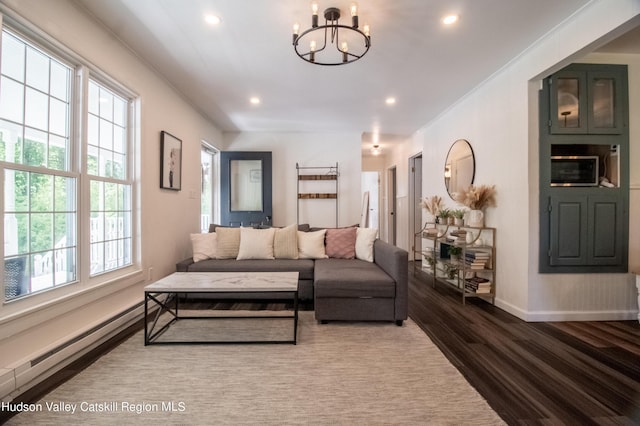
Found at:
<point>228,242</point>
<point>204,246</point>
<point>364,243</point>
<point>311,245</point>
<point>285,243</point>
<point>341,243</point>
<point>256,243</point>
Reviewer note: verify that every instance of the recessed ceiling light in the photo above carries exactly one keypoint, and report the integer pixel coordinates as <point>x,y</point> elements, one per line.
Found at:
<point>254,100</point>
<point>390,101</point>
<point>212,19</point>
<point>450,19</point>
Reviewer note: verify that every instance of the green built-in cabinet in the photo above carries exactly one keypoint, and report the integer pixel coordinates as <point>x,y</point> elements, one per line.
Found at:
<point>584,113</point>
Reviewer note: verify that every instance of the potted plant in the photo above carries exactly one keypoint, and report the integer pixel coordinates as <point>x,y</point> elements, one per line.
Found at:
<point>455,252</point>
<point>450,270</point>
<point>458,215</point>
<point>445,217</point>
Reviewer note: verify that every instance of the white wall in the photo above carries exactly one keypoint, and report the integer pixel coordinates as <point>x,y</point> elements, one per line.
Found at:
<point>308,150</point>
<point>499,119</point>
<point>29,327</point>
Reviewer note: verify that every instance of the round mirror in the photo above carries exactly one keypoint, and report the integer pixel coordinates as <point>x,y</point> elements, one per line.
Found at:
<point>459,168</point>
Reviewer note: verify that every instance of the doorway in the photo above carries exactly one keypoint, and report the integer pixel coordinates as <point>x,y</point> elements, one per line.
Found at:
<point>391,205</point>
<point>371,193</point>
<point>415,211</point>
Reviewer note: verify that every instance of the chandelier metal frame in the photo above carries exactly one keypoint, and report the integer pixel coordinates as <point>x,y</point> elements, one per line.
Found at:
<point>331,30</point>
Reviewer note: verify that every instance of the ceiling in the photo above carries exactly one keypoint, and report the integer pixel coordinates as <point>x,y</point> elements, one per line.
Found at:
<point>425,65</point>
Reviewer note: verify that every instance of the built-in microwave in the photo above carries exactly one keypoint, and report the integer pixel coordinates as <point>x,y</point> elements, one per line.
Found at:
<point>580,170</point>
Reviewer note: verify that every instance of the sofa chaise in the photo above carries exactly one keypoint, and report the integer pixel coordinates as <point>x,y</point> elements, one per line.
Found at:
<point>369,287</point>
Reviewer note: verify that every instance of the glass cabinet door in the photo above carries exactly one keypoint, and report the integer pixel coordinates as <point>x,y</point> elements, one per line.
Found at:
<point>604,101</point>
<point>586,99</point>
<point>568,103</point>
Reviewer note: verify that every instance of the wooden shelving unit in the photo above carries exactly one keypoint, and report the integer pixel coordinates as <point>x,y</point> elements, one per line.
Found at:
<point>317,174</point>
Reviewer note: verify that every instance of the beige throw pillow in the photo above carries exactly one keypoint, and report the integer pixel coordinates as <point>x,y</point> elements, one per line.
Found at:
<point>285,242</point>
<point>204,246</point>
<point>365,238</point>
<point>311,245</point>
<point>228,243</point>
<point>256,243</point>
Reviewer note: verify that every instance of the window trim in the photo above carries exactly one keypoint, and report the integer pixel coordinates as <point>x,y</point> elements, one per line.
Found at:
<point>82,71</point>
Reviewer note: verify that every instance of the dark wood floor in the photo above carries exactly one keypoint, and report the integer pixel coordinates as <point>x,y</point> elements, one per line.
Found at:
<point>574,373</point>
<point>534,373</point>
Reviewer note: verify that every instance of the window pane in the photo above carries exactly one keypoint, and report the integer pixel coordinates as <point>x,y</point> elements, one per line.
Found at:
<point>106,161</point>
<point>41,192</point>
<point>97,258</point>
<point>118,166</point>
<point>106,134</point>
<point>65,262</point>
<point>59,81</point>
<point>37,70</point>
<point>16,185</point>
<point>41,230</point>
<point>41,267</point>
<point>13,52</point>
<point>64,194</point>
<point>36,109</point>
<point>119,111</point>
<point>64,226</point>
<point>16,277</point>
<point>92,160</point>
<point>58,152</point>
<point>58,117</point>
<point>35,148</point>
<point>106,105</point>
<point>11,100</point>
<point>10,139</point>
<point>118,139</point>
<point>96,196</point>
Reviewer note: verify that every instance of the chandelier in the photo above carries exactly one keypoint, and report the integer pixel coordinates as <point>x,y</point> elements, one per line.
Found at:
<point>331,43</point>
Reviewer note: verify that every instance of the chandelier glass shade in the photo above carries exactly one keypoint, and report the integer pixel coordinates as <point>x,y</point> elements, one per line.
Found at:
<point>331,43</point>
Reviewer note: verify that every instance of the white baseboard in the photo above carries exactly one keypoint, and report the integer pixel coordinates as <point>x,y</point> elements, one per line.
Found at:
<point>555,316</point>
<point>26,375</point>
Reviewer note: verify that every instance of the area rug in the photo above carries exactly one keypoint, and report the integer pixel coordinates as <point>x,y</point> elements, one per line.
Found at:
<point>338,374</point>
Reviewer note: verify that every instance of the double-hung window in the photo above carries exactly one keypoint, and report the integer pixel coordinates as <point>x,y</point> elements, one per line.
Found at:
<point>58,149</point>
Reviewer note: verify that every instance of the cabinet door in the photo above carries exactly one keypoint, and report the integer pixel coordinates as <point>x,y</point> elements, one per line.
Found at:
<point>568,230</point>
<point>604,98</point>
<point>605,215</point>
<point>568,112</point>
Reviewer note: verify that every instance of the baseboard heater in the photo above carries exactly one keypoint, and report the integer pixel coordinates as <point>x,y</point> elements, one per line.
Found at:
<point>33,372</point>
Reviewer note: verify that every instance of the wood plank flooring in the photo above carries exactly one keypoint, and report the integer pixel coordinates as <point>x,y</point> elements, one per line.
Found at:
<point>573,373</point>
<point>534,373</point>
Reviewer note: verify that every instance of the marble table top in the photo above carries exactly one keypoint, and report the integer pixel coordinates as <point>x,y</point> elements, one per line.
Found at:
<point>211,282</point>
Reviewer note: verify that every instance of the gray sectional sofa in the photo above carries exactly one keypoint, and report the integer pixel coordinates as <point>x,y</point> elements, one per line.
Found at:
<point>342,289</point>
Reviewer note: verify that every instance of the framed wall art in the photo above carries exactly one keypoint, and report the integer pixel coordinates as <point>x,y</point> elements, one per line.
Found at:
<point>170,162</point>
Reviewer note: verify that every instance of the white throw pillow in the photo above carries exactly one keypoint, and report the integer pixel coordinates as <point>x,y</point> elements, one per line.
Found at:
<point>285,242</point>
<point>311,245</point>
<point>364,243</point>
<point>256,243</point>
<point>204,246</point>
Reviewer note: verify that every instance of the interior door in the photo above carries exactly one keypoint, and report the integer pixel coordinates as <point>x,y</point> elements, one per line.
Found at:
<point>245,188</point>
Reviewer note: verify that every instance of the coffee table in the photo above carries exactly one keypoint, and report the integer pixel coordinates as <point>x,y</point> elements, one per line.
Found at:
<point>233,285</point>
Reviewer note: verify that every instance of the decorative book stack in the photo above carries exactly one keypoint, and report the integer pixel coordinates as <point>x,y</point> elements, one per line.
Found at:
<point>476,259</point>
<point>477,285</point>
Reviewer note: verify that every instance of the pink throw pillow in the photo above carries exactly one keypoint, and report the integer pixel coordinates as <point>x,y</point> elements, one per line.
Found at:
<point>341,243</point>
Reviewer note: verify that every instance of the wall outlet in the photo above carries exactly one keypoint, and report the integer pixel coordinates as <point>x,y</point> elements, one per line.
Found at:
<point>149,274</point>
